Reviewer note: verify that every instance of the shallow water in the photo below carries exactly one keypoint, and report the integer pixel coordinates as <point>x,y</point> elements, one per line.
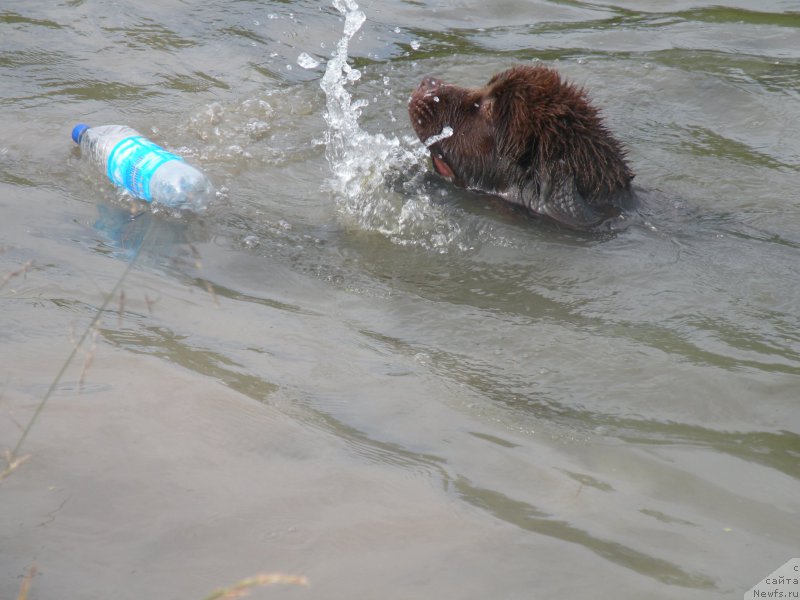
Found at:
<point>348,370</point>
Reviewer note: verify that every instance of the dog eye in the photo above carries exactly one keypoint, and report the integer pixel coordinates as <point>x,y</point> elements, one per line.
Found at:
<point>484,106</point>
<point>479,105</point>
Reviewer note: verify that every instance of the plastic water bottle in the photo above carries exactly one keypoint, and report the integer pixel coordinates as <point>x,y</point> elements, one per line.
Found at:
<point>143,168</point>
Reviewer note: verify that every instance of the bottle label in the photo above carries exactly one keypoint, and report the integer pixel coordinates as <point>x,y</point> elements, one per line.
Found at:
<point>132,163</point>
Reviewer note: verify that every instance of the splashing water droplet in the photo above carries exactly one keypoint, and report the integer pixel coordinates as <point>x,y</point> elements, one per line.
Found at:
<point>447,131</point>
<point>307,61</point>
<point>251,241</point>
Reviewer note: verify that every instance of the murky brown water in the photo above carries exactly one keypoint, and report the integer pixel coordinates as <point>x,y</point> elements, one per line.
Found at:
<point>350,371</point>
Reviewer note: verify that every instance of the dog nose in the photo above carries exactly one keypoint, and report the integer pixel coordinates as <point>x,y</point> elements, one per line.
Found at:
<point>429,83</point>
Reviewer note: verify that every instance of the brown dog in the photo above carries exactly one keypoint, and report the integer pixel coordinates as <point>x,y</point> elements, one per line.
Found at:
<point>528,137</point>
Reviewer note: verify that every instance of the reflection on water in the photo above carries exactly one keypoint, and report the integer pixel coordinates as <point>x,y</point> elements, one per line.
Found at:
<point>528,517</point>
<point>124,230</point>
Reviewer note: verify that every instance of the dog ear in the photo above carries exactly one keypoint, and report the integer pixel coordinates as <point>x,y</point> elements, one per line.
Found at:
<point>515,112</point>
<point>535,112</point>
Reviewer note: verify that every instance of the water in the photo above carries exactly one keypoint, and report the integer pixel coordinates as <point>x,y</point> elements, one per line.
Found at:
<point>347,369</point>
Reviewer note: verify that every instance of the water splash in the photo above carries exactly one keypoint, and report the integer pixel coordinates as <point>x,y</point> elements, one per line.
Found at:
<point>307,61</point>
<point>446,133</point>
<point>369,168</point>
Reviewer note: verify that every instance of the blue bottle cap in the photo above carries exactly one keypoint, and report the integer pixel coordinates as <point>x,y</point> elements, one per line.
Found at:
<point>77,132</point>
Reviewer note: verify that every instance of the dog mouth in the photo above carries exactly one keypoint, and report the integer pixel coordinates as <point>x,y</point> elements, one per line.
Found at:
<point>424,109</point>
<point>440,166</point>
<point>440,163</point>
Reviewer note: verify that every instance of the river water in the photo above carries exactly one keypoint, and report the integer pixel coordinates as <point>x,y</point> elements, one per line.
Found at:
<point>350,371</point>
